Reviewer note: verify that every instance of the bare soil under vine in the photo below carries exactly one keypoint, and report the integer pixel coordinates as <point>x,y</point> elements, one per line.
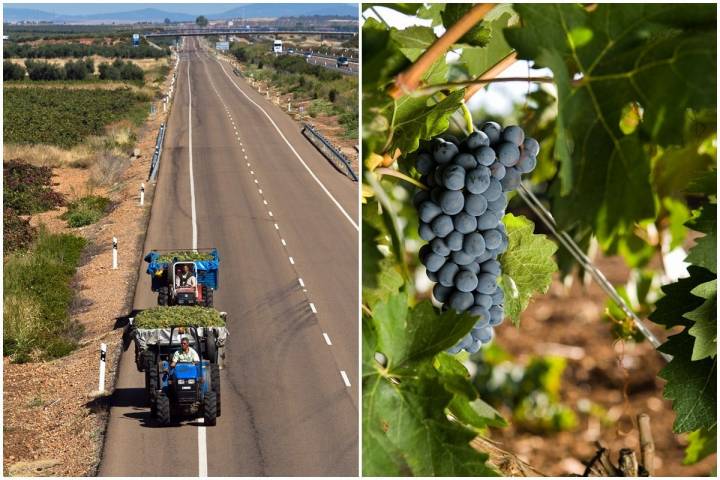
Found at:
<point>568,322</point>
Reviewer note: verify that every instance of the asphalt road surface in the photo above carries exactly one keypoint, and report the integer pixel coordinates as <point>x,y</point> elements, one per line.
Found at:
<point>285,223</point>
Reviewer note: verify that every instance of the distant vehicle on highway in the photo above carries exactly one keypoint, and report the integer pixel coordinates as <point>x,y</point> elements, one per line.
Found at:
<point>277,46</point>
<point>343,62</point>
<point>291,50</point>
<point>308,55</point>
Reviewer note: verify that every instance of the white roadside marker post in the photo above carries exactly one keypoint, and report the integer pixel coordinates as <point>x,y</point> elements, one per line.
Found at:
<point>142,194</point>
<point>289,108</point>
<point>101,380</point>
<point>114,254</point>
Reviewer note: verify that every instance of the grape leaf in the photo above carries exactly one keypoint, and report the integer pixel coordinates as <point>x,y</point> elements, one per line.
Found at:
<point>691,385</point>
<point>413,42</point>
<point>405,428</point>
<point>478,60</point>
<point>678,300</point>
<point>371,256</point>
<point>704,253</point>
<point>418,118</point>
<point>527,266</point>
<point>705,317</point>
<point>701,443</point>
<point>479,35</point>
<point>602,61</point>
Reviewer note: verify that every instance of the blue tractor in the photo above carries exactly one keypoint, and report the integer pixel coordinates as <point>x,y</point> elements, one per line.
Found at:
<point>184,277</point>
<point>188,389</point>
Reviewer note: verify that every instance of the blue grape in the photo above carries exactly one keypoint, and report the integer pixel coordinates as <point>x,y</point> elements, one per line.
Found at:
<point>466,161</point>
<point>466,281</point>
<point>448,137</point>
<point>475,204</point>
<point>474,347</point>
<point>482,300</point>
<point>486,255</point>
<point>487,220</point>
<point>485,156</point>
<point>483,315</point>
<point>441,292</point>
<point>462,258</point>
<point>464,222</point>
<point>485,334</point>
<point>527,163</point>
<point>491,266</point>
<point>474,244</point>
<point>428,210</point>
<point>435,194</point>
<point>454,241</point>
<point>508,154</point>
<point>512,180</point>
<point>446,275</point>
<point>460,301</point>
<point>494,190</point>
<point>477,139</point>
<point>420,197</point>
<point>440,247</point>
<point>496,316</point>
<point>531,147</point>
<point>473,267</point>
<point>498,296</point>
<point>493,239</point>
<point>424,163</point>
<point>486,283</point>
<point>452,202</point>
<point>513,134</point>
<point>492,130</point>
<point>498,205</point>
<point>423,252</point>
<point>432,276</point>
<point>442,225</point>
<point>477,180</point>
<point>453,177</point>
<point>425,231</point>
<point>444,151</point>
<point>433,261</point>
<point>497,170</point>
<point>429,180</point>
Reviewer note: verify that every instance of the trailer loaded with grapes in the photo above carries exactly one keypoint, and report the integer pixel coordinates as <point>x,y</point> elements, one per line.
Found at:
<point>460,217</point>
<point>605,158</point>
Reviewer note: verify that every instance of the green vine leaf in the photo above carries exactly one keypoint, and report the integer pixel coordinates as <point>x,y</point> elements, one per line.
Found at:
<point>705,317</point>
<point>405,428</point>
<point>678,299</point>
<point>701,443</point>
<point>691,385</point>
<point>704,253</point>
<point>627,55</point>
<point>527,267</point>
<point>479,35</point>
<point>478,60</point>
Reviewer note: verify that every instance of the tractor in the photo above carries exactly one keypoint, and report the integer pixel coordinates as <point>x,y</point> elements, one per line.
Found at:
<point>184,277</point>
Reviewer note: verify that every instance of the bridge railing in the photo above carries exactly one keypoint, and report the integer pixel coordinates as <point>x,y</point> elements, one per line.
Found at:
<point>335,156</point>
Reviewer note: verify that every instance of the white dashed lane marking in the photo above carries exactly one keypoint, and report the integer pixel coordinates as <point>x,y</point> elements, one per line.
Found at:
<point>312,307</point>
<point>327,338</point>
<point>292,262</point>
<point>345,378</point>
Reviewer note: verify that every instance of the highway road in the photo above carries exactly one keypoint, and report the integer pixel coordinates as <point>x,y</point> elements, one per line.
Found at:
<point>331,63</point>
<point>236,174</point>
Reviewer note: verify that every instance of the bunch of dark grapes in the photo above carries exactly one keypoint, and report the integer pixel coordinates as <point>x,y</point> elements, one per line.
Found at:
<point>461,219</point>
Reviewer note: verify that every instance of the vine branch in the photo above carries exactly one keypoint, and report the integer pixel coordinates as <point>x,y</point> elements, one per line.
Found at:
<point>407,81</point>
<point>493,72</point>
<point>397,174</point>
<point>479,82</point>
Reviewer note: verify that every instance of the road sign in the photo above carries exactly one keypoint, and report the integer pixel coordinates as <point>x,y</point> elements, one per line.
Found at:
<point>136,40</point>
<point>224,46</point>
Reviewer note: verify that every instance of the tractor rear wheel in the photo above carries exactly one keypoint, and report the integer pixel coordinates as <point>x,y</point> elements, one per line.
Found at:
<point>210,347</point>
<point>215,383</point>
<point>210,408</point>
<point>162,408</point>
<point>208,296</point>
<point>162,296</point>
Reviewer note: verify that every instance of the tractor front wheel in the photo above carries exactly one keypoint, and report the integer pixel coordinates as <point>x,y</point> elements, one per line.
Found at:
<point>163,296</point>
<point>210,408</point>
<point>162,409</point>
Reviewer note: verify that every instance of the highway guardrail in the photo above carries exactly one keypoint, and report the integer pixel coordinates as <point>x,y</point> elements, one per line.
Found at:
<point>155,164</point>
<point>329,151</point>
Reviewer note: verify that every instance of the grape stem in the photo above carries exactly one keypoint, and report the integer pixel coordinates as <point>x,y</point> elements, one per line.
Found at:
<point>394,173</point>
<point>467,115</point>
<point>430,89</point>
<point>408,81</point>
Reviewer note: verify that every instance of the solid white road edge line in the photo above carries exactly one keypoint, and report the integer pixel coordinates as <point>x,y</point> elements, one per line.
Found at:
<point>309,170</point>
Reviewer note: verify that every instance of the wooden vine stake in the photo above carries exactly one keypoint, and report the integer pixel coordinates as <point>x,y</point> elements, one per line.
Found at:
<point>628,464</point>
<point>409,80</point>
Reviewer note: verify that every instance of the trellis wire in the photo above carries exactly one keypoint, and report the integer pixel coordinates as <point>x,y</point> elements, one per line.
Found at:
<point>567,241</point>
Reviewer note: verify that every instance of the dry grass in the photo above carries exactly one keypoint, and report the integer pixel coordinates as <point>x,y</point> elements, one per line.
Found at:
<point>146,64</point>
<point>80,156</point>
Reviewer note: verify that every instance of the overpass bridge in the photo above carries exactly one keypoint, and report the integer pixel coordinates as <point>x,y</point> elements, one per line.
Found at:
<point>202,32</point>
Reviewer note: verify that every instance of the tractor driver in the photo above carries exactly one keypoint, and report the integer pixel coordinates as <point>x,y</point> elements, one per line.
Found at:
<point>186,355</point>
<point>185,278</point>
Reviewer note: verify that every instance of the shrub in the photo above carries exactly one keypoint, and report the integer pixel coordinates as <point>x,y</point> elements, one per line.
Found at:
<point>27,189</point>
<point>37,296</point>
<point>108,72</point>
<point>86,210</point>
<point>13,71</point>
<point>17,232</point>
<point>130,71</point>
<point>44,70</point>
<point>76,70</point>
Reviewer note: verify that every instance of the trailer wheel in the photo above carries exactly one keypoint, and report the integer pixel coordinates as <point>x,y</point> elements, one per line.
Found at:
<point>210,408</point>
<point>208,296</point>
<point>162,296</point>
<point>215,383</point>
<point>162,406</point>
